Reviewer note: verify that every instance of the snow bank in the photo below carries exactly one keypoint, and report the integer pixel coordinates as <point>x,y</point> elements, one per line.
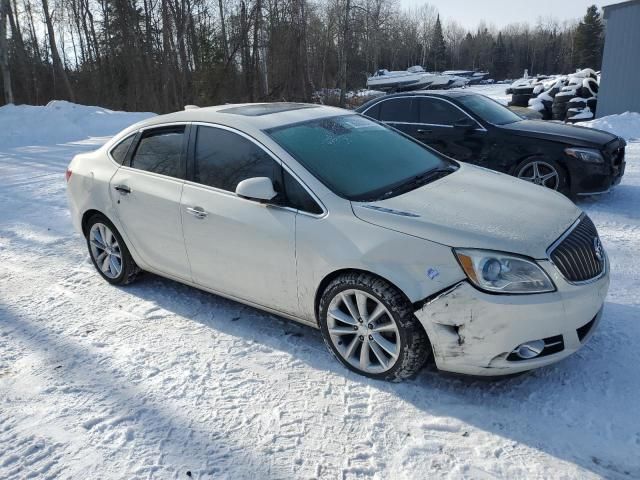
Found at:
<point>626,125</point>
<point>60,122</point>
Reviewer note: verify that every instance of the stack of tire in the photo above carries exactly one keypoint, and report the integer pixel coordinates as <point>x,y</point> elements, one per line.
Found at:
<point>521,96</point>
<point>523,90</point>
<point>569,98</point>
<point>544,96</point>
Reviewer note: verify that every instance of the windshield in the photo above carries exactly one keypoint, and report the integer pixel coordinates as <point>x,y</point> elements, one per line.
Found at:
<point>358,158</point>
<point>489,110</point>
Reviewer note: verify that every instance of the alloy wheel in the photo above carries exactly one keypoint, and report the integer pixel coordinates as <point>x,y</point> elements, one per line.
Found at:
<point>105,250</point>
<point>363,331</point>
<point>540,173</point>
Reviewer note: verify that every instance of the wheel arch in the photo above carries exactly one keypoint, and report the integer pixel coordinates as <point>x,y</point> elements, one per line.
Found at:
<point>335,274</point>
<point>87,215</point>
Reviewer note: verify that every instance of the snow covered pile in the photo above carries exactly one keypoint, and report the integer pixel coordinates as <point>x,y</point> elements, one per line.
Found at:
<point>626,125</point>
<point>60,122</point>
<point>559,97</point>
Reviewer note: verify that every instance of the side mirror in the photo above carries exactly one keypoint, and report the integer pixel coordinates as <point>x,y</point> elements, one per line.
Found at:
<point>465,124</point>
<point>257,188</point>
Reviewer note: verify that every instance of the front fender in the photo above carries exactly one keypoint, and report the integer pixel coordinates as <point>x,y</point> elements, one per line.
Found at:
<point>417,267</point>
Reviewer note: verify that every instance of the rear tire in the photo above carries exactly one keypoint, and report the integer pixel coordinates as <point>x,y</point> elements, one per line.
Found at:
<point>108,252</point>
<point>369,326</point>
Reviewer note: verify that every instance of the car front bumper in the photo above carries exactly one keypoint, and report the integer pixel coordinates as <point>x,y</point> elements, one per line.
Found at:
<point>592,179</point>
<point>475,333</point>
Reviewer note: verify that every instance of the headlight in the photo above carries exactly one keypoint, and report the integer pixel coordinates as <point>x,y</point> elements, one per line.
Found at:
<point>503,273</point>
<point>585,154</point>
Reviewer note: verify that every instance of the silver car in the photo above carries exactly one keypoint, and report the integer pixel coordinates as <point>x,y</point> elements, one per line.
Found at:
<point>336,221</point>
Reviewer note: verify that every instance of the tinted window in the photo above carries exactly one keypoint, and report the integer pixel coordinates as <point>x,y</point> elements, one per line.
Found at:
<point>438,112</point>
<point>298,197</point>
<point>119,152</point>
<point>160,151</point>
<point>356,157</point>
<point>397,110</point>
<point>223,159</point>
<point>489,110</point>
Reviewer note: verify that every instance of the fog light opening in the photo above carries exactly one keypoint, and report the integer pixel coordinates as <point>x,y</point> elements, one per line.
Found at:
<point>529,350</point>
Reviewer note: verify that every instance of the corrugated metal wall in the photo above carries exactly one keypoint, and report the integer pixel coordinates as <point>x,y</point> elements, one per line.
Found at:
<point>620,82</point>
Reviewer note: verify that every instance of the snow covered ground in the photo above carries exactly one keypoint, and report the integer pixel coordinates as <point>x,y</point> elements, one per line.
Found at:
<point>160,380</point>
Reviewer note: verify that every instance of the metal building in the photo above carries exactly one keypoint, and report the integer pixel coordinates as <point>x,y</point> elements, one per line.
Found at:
<point>620,81</point>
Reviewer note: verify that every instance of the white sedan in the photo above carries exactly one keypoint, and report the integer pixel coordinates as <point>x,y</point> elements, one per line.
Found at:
<point>336,221</point>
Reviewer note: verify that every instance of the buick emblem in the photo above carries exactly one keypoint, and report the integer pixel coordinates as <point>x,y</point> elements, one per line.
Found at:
<point>598,250</point>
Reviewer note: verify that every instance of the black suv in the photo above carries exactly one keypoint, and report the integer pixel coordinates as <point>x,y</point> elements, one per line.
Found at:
<point>476,129</point>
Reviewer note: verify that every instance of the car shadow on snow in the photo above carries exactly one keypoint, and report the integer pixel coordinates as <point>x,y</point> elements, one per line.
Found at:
<point>122,415</point>
<point>579,410</point>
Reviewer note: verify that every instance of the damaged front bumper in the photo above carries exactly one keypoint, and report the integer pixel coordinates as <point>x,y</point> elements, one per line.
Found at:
<point>476,333</point>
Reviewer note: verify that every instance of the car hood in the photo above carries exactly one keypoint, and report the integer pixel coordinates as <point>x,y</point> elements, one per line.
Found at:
<point>477,208</point>
<point>560,132</point>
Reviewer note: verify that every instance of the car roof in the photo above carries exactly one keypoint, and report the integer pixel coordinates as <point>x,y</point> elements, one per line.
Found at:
<point>249,116</point>
<point>435,93</point>
<point>419,93</point>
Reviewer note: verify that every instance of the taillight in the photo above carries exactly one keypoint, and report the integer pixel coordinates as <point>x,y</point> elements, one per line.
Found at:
<point>67,175</point>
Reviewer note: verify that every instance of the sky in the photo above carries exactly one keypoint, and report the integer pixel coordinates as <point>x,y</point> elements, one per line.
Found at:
<point>502,12</point>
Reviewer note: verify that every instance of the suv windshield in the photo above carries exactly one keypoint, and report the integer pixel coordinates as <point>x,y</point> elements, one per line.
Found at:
<point>358,158</point>
<point>489,110</point>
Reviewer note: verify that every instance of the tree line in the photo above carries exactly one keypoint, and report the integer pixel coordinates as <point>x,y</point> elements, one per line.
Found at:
<point>160,55</point>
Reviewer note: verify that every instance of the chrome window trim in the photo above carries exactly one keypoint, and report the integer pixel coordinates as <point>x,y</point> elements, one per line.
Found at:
<point>414,123</point>
<point>275,158</point>
<point>433,97</point>
<point>553,246</point>
<point>143,129</point>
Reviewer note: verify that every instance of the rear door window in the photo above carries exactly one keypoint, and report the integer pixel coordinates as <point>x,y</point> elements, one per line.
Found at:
<point>161,151</point>
<point>398,110</point>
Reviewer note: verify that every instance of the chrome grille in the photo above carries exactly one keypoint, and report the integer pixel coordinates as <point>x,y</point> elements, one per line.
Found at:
<point>579,255</point>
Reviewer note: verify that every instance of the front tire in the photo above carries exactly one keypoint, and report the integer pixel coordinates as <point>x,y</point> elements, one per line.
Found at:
<point>108,252</point>
<point>370,328</point>
<point>543,172</point>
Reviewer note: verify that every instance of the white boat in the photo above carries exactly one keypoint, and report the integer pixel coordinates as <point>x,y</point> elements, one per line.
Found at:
<point>472,76</point>
<point>414,78</point>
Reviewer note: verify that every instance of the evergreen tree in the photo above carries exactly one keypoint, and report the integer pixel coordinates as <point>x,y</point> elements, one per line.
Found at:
<point>438,47</point>
<point>500,59</point>
<point>589,40</point>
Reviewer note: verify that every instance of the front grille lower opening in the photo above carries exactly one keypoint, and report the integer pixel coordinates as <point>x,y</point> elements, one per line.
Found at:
<point>584,330</point>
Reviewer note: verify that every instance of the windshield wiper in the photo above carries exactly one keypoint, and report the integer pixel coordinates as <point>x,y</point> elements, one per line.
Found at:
<point>417,181</point>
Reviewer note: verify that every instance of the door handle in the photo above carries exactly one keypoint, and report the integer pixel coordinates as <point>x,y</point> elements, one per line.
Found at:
<point>420,130</point>
<point>123,189</point>
<point>197,212</point>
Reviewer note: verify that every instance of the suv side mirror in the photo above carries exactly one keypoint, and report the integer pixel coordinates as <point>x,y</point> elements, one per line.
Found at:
<point>257,188</point>
<point>465,124</point>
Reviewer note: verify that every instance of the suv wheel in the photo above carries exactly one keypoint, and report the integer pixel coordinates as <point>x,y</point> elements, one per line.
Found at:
<point>369,326</point>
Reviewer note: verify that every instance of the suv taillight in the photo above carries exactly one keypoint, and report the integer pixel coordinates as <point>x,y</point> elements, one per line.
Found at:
<point>67,175</point>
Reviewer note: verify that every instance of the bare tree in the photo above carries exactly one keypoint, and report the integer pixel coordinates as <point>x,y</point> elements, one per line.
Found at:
<point>58,67</point>
<point>5,6</point>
